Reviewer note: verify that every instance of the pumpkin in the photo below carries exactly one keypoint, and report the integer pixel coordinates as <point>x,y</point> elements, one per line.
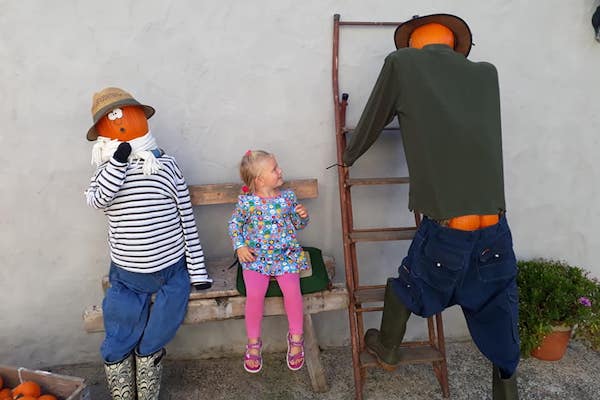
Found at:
<point>465,223</point>
<point>47,397</point>
<point>6,394</point>
<point>488,220</point>
<point>432,33</point>
<point>123,124</point>
<point>27,388</point>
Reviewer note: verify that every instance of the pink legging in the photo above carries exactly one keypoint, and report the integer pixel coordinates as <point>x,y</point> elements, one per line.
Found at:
<point>256,288</point>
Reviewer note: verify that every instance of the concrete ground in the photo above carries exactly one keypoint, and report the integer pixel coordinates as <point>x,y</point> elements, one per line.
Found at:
<point>576,377</point>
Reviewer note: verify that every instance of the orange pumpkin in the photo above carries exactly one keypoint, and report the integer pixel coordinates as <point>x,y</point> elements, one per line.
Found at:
<point>47,397</point>
<point>465,223</point>
<point>6,394</point>
<point>429,34</point>
<point>27,388</point>
<point>488,220</point>
<point>123,124</point>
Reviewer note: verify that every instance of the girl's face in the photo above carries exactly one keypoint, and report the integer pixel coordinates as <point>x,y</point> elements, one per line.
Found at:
<point>271,176</point>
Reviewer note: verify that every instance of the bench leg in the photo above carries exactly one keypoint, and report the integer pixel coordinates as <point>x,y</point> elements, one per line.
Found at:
<point>312,357</point>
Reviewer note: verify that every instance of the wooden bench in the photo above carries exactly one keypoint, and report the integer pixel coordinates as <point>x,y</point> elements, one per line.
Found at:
<point>222,301</point>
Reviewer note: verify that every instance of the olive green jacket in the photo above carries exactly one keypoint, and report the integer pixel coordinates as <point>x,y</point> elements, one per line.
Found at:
<point>448,109</point>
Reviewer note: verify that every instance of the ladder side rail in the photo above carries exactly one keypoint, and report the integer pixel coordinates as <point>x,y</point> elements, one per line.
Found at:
<point>342,176</point>
<point>340,145</point>
<point>443,366</point>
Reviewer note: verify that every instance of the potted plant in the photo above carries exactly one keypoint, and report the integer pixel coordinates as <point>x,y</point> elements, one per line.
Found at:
<point>555,296</point>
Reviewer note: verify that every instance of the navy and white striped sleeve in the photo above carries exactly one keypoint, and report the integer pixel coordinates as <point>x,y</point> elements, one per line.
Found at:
<point>105,184</point>
<point>193,249</point>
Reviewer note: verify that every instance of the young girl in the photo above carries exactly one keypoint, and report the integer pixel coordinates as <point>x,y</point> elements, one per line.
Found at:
<point>263,231</point>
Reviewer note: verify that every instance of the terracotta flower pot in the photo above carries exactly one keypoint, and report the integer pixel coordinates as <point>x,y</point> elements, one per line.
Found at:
<point>554,345</point>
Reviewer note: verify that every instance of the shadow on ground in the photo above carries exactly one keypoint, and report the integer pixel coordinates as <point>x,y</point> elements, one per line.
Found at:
<point>576,377</point>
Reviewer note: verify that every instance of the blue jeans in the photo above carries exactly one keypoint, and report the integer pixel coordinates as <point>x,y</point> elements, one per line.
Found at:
<point>476,270</point>
<point>133,321</point>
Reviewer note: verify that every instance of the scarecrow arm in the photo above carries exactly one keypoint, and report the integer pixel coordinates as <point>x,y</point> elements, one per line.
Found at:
<point>105,184</point>
<point>378,112</point>
<point>193,249</point>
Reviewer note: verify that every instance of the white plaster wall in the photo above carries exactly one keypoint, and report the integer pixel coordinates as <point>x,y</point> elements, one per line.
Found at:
<point>226,76</point>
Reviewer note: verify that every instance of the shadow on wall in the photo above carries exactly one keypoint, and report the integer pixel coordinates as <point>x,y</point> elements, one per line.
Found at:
<point>596,23</point>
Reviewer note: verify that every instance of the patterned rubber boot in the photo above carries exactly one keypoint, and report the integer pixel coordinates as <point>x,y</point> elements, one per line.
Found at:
<point>504,389</point>
<point>148,374</point>
<point>120,377</point>
<point>385,343</point>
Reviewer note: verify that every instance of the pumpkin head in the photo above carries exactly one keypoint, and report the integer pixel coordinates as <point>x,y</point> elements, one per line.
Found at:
<point>432,33</point>
<point>116,114</point>
<point>123,124</point>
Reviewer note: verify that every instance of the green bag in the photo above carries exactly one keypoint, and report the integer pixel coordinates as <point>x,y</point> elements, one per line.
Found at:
<point>312,280</point>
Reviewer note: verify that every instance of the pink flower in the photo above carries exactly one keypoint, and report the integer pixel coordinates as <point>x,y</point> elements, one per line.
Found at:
<point>585,301</point>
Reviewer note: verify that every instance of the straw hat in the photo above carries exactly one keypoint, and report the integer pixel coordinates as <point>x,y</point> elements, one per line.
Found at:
<point>108,99</point>
<point>462,34</point>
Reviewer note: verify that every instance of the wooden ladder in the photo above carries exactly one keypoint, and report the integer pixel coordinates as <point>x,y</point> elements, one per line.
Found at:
<point>430,351</point>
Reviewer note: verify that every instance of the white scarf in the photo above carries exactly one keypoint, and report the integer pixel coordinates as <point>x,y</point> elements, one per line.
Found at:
<point>141,148</point>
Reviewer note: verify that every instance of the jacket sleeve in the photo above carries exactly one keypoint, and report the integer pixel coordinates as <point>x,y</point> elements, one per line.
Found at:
<point>378,112</point>
<point>194,254</point>
<point>105,184</point>
<point>236,225</point>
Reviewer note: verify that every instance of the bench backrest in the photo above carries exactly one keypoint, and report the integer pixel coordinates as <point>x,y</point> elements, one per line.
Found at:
<point>227,193</point>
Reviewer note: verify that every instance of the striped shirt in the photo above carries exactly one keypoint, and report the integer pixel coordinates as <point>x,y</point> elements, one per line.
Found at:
<point>150,218</point>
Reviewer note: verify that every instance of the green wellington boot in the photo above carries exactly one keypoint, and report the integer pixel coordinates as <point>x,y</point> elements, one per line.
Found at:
<point>384,343</point>
<point>148,375</point>
<point>504,389</point>
<point>120,377</point>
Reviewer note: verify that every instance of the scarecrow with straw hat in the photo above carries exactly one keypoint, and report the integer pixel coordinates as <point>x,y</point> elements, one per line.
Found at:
<point>153,241</point>
<point>448,108</point>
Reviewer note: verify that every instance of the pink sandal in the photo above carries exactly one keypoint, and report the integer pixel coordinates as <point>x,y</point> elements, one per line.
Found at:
<point>253,357</point>
<point>295,361</point>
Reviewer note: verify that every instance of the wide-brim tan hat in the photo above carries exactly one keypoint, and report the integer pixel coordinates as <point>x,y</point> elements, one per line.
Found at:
<point>463,39</point>
<point>107,100</point>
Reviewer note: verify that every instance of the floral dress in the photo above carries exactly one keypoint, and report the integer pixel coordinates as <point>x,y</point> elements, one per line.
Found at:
<point>268,226</point>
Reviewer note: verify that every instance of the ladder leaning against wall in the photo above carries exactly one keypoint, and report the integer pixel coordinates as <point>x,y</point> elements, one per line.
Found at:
<point>361,296</point>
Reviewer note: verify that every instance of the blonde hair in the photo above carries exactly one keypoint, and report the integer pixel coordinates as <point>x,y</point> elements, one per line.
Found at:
<point>250,166</point>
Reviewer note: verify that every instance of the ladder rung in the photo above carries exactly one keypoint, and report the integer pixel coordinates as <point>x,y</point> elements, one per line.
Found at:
<point>382,234</point>
<point>420,354</point>
<point>369,294</point>
<point>387,129</point>
<point>361,23</point>
<point>378,181</point>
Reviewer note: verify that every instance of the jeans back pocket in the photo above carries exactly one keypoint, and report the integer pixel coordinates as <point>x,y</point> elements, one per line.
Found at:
<point>440,264</point>
<point>497,262</point>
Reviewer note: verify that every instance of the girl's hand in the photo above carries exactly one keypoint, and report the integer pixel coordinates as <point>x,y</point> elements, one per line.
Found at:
<point>301,211</point>
<point>245,254</point>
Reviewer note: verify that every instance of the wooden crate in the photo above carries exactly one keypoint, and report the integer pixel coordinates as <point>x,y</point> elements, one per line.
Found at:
<point>62,386</point>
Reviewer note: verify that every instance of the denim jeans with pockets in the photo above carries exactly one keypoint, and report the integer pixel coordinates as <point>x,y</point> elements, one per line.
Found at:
<point>133,321</point>
<point>474,269</point>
